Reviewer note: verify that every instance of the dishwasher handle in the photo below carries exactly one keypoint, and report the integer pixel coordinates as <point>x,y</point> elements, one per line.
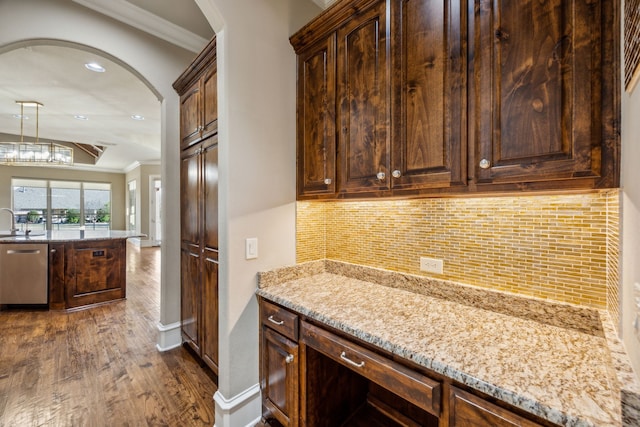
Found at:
<point>22,251</point>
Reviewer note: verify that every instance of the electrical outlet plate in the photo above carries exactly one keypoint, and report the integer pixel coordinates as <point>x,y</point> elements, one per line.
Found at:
<point>431,265</point>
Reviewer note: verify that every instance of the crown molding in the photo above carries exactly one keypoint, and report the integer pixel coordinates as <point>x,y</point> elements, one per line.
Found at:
<point>143,20</point>
<point>137,164</point>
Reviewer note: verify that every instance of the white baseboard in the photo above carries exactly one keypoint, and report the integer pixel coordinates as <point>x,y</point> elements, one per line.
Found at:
<point>243,409</point>
<point>169,336</point>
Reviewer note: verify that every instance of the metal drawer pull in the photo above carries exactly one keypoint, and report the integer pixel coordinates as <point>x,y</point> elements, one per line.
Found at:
<point>289,358</point>
<point>277,322</point>
<point>344,357</point>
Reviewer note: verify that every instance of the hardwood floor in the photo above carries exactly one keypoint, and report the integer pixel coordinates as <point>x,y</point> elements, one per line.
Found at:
<point>100,366</point>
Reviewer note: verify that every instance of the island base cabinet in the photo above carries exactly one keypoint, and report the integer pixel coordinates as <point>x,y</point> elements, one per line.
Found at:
<point>95,272</point>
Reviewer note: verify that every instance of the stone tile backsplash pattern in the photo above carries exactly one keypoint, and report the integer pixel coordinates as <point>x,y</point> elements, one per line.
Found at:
<point>559,247</point>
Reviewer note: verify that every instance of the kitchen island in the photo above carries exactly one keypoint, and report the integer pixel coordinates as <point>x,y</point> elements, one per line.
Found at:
<point>85,267</point>
<point>475,356</point>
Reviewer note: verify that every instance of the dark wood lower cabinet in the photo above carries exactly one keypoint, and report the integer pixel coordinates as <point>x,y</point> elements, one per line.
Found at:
<point>190,296</point>
<point>210,308</point>
<point>87,272</point>
<point>313,376</point>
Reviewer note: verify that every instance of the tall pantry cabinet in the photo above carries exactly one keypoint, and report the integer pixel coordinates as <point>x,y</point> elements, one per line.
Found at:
<point>197,88</point>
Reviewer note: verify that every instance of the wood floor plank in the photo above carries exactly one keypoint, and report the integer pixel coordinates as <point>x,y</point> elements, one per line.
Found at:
<point>99,366</point>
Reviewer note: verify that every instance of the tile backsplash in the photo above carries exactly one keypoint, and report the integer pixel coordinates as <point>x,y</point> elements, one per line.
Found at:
<point>558,247</point>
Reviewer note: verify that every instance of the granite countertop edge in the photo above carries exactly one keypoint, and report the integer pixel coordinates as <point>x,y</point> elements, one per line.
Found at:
<point>570,316</point>
<point>71,236</point>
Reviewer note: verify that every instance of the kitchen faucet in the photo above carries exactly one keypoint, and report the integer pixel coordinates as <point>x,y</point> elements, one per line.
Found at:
<point>13,229</point>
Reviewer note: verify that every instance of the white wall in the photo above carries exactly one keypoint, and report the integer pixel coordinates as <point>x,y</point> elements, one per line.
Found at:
<point>630,224</point>
<point>256,80</point>
<point>158,62</point>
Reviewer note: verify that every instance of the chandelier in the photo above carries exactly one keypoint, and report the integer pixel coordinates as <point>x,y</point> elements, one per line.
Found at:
<point>34,153</point>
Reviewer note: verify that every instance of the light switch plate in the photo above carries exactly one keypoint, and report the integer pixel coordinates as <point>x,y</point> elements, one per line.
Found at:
<point>431,265</point>
<point>251,248</point>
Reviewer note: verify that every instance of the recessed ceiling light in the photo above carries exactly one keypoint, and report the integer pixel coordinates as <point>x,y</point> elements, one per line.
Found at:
<point>137,117</point>
<point>81,117</point>
<point>94,66</point>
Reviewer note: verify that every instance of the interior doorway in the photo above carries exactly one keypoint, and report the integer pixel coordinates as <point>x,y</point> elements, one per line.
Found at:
<point>155,210</point>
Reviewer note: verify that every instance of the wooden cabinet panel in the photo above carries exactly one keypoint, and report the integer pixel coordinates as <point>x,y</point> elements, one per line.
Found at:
<point>56,276</point>
<point>95,272</point>
<point>210,192</point>
<point>468,410</point>
<point>190,295</point>
<point>190,195</point>
<point>429,83</point>
<point>279,378</point>
<point>190,117</point>
<point>363,105</point>
<point>210,309</point>
<point>279,319</point>
<point>316,156</point>
<point>209,96</point>
<point>537,91</point>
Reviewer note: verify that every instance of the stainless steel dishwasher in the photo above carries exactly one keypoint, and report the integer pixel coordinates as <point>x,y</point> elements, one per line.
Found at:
<point>24,273</point>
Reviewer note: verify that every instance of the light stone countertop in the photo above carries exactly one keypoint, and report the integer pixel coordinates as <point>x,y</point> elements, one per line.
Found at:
<point>549,359</point>
<point>39,236</point>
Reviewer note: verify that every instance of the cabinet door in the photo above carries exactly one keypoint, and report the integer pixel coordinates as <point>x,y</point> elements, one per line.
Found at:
<point>467,410</point>
<point>56,276</point>
<point>279,378</point>
<point>190,295</point>
<point>190,116</point>
<point>209,85</point>
<point>316,137</point>
<point>210,192</point>
<point>190,195</point>
<point>537,90</point>
<point>363,105</point>
<point>210,309</point>
<point>429,88</point>
<point>95,272</point>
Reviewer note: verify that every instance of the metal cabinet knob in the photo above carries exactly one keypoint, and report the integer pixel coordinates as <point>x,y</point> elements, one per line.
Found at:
<point>289,358</point>
<point>484,164</point>
<point>396,173</point>
<point>327,181</point>
<point>381,176</point>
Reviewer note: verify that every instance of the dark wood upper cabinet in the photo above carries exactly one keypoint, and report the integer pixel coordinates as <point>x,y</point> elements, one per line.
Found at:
<point>537,99</point>
<point>316,132</point>
<point>198,90</point>
<point>209,100</point>
<point>429,94</point>
<point>363,105</point>
<point>190,198</point>
<point>454,97</point>
<point>190,116</point>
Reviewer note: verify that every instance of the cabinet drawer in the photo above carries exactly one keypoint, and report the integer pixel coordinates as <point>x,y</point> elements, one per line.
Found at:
<point>410,385</point>
<point>279,319</point>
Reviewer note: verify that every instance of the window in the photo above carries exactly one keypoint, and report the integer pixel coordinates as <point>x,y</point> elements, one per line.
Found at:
<point>131,206</point>
<point>61,205</point>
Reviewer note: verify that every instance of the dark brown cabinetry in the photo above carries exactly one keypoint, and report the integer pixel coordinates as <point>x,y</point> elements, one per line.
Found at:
<point>198,101</point>
<point>95,271</point>
<point>316,152</point>
<point>363,102</point>
<point>279,364</point>
<point>314,376</point>
<point>539,100</point>
<point>199,206</point>
<point>470,410</point>
<point>457,97</point>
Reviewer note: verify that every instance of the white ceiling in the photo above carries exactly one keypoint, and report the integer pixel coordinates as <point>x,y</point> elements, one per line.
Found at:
<point>55,76</point>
